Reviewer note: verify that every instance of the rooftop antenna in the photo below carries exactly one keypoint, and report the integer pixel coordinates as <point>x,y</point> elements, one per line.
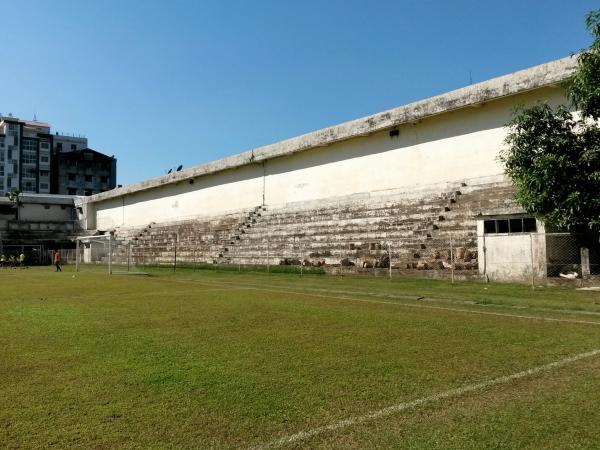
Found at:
<point>470,77</point>
<point>34,117</point>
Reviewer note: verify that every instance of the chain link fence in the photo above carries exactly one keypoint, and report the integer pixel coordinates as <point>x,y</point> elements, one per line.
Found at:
<point>534,258</point>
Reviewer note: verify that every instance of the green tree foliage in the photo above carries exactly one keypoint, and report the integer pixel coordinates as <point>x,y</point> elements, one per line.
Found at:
<point>553,157</point>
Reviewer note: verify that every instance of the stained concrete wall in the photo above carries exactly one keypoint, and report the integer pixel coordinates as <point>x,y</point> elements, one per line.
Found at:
<point>517,257</point>
<point>459,144</point>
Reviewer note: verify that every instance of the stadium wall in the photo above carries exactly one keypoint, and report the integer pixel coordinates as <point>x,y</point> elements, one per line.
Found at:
<point>418,154</point>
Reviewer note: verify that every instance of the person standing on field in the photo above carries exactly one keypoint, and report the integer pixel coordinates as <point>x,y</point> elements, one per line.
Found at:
<point>57,261</point>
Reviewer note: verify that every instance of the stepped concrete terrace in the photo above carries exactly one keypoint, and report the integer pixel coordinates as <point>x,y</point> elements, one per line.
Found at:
<point>352,233</point>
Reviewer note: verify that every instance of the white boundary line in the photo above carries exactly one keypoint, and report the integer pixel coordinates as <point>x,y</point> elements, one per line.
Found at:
<point>384,412</point>
<point>403,305</point>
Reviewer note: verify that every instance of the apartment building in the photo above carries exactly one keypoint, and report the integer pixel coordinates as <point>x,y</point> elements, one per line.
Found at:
<point>29,156</point>
<point>83,172</point>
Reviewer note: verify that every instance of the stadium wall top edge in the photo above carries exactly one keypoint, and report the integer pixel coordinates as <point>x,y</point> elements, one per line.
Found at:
<point>543,75</point>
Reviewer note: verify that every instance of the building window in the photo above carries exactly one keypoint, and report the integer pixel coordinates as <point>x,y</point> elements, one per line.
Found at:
<point>44,186</point>
<point>44,173</point>
<point>103,179</point>
<point>1,141</point>
<point>72,177</point>
<point>73,147</point>
<point>45,145</point>
<point>59,147</point>
<point>88,178</point>
<point>29,144</point>
<point>44,159</point>
<point>1,170</point>
<point>29,157</point>
<point>512,225</point>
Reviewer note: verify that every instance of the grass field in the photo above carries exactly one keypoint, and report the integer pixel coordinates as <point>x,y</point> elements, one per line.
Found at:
<point>227,360</point>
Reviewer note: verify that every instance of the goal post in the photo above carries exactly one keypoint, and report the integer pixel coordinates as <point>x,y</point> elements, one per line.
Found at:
<point>103,253</point>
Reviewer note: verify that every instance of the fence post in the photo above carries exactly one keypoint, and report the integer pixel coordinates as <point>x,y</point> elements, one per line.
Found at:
<point>585,263</point>
<point>110,253</point>
<point>301,259</point>
<point>175,253</point>
<point>451,259</point>
<point>531,258</point>
<point>390,258</point>
<point>194,256</point>
<point>268,259</point>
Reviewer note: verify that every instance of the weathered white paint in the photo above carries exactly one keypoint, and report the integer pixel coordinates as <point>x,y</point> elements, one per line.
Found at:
<point>460,144</point>
<point>209,195</point>
<point>512,257</point>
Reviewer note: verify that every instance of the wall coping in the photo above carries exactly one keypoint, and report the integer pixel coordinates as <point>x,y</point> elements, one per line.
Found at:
<point>548,74</point>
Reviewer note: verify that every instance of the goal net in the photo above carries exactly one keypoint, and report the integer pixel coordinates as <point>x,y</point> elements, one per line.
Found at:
<point>104,253</point>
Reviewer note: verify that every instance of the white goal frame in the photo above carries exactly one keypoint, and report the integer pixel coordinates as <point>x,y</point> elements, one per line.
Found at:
<point>98,238</point>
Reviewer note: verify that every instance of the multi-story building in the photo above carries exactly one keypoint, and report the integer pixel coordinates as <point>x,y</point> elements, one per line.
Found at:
<point>28,152</point>
<point>83,172</point>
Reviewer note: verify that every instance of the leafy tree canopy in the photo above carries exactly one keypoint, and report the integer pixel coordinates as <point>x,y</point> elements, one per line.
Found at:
<point>553,157</point>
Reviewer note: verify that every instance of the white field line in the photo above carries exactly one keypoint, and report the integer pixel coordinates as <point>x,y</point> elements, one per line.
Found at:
<point>373,415</point>
<point>402,305</point>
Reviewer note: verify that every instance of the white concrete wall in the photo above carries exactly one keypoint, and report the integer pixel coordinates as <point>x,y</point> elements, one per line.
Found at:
<point>38,213</point>
<point>512,257</point>
<point>452,146</point>
<point>209,195</point>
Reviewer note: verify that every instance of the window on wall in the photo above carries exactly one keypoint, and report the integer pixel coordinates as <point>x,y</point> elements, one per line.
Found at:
<point>510,225</point>
<point>73,147</point>
<point>29,144</point>
<point>59,147</point>
<point>44,186</point>
<point>45,145</point>
<point>29,157</point>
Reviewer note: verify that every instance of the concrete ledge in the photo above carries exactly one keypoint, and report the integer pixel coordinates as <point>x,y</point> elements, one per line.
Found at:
<point>548,74</point>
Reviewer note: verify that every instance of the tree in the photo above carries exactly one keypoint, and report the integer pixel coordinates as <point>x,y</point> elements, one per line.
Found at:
<point>553,157</point>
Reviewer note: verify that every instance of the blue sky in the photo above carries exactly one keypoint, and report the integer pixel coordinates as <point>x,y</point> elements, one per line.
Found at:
<point>160,84</point>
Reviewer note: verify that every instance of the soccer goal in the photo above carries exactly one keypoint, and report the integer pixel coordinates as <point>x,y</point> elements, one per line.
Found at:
<point>103,253</point>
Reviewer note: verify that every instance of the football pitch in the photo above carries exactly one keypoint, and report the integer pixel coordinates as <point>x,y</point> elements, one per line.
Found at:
<point>198,359</point>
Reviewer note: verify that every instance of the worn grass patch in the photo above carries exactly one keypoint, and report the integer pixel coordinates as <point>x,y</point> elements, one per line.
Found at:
<point>227,360</point>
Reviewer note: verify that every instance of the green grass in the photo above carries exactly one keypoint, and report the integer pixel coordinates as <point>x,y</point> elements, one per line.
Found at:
<point>197,359</point>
